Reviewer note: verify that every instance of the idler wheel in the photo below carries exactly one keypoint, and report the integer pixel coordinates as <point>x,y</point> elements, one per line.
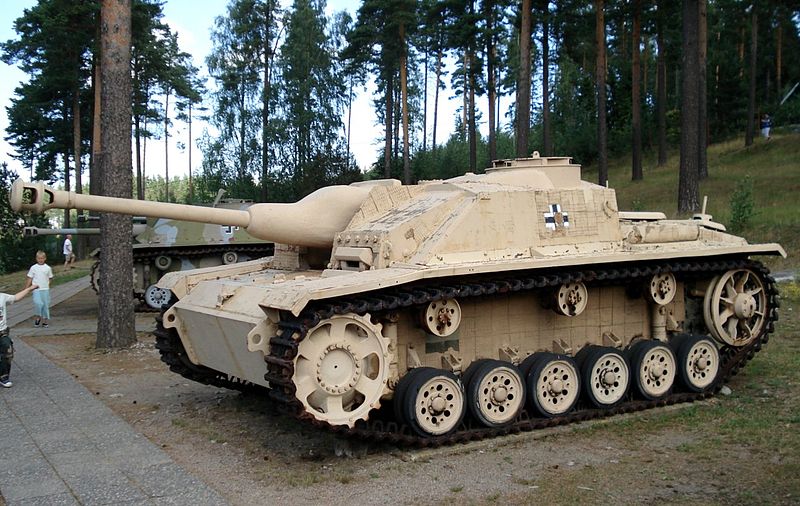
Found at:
<point>735,307</point>
<point>698,362</point>
<point>341,369</point>
<point>156,297</point>
<point>431,401</point>
<point>495,392</point>
<point>654,368</point>
<point>605,375</point>
<point>553,383</point>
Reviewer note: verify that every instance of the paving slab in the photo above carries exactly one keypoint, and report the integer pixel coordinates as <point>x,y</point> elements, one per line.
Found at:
<point>63,446</point>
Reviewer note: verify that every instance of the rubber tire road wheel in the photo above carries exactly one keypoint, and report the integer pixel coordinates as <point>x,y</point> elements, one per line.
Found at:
<point>400,390</point>
<point>639,353</point>
<point>587,362</point>
<point>516,397</point>
<point>539,363</point>
<point>409,402</point>
<point>683,349</point>
<point>474,366</point>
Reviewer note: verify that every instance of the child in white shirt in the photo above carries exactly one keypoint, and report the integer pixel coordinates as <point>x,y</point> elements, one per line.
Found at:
<point>6,344</point>
<point>40,274</point>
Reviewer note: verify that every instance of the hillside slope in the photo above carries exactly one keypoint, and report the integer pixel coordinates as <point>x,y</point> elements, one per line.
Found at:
<point>773,167</point>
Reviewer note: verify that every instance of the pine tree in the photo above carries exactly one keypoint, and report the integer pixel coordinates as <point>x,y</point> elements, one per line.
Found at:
<point>690,142</point>
<point>241,63</point>
<point>115,328</point>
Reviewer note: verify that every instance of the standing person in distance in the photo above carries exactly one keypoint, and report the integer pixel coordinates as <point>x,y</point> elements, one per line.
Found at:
<point>40,275</point>
<point>6,344</point>
<point>766,124</point>
<point>69,256</point>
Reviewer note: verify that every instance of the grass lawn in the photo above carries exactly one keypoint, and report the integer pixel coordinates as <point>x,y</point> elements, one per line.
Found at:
<point>15,281</point>
<point>774,168</point>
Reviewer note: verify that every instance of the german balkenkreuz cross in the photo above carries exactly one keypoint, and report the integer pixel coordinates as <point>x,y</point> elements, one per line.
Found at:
<point>556,218</point>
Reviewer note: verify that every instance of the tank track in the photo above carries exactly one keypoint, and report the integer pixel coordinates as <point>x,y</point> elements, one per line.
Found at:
<point>381,428</point>
<point>174,355</point>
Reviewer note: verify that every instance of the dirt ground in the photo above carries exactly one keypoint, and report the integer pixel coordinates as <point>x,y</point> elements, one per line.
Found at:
<point>242,447</point>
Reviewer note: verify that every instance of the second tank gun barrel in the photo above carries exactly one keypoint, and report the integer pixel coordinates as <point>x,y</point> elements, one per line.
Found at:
<point>312,221</point>
<point>138,228</point>
<point>32,231</point>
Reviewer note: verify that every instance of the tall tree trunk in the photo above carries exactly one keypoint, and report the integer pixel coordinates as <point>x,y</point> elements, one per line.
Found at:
<point>137,136</point>
<point>144,158</point>
<point>76,141</point>
<point>95,170</point>
<point>436,96</point>
<point>779,55</point>
<point>491,85</point>
<point>389,121</point>
<point>115,327</point>
<point>166,146</point>
<point>349,113</point>
<point>702,95</point>
<point>661,88</point>
<point>465,98</point>
<point>600,73</point>
<point>425,102</point>
<point>398,113</point>
<point>645,69</point>
<point>547,141</point>
<point>67,187</point>
<point>636,99</point>
<point>690,137</point>
<point>242,169</point>
<point>265,91</point>
<point>751,102</point>
<point>404,99</point>
<point>472,134</point>
<point>191,189</point>
<point>524,81</point>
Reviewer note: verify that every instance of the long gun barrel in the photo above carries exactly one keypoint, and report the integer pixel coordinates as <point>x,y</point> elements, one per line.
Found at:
<point>32,231</point>
<point>312,221</point>
<point>138,228</point>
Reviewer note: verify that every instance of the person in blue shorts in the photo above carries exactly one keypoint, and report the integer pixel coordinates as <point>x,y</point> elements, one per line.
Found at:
<point>40,275</point>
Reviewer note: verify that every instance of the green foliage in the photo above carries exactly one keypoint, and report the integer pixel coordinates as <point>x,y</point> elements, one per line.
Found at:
<point>18,251</point>
<point>742,204</point>
<point>53,45</point>
<point>311,102</point>
<point>241,64</point>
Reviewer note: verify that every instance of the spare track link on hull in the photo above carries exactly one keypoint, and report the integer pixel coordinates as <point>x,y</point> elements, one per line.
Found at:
<point>174,355</point>
<point>283,347</point>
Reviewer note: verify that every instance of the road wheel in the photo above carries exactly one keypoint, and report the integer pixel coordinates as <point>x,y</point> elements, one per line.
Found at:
<point>605,375</point>
<point>654,369</point>
<point>496,393</point>
<point>433,403</point>
<point>698,363</point>
<point>553,384</point>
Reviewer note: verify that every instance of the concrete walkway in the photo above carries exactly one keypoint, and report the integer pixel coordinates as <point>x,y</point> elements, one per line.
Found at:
<point>61,445</point>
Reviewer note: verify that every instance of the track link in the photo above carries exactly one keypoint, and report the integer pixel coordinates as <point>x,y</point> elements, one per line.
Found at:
<point>381,427</point>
